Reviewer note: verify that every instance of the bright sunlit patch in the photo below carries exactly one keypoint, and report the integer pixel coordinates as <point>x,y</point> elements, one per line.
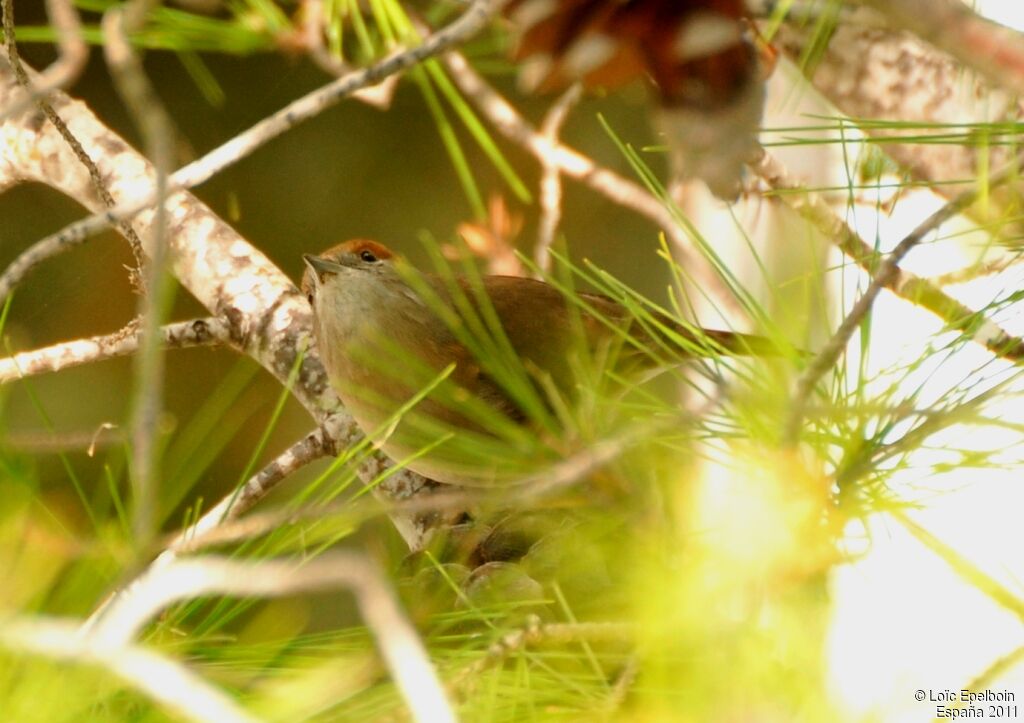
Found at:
<point>761,514</point>
<point>904,620</point>
<point>1009,13</point>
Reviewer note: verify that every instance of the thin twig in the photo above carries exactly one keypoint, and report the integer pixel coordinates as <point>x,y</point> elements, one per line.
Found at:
<point>94,172</point>
<point>927,425</point>
<point>49,442</point>
<point>534,633</point>
<point>964,568</point>
<point>72,53</point>
<point>379,96</point>
<point>352,511</point>
<point>996,670</point>
<point>551,178</point>
<point>883,277</point>
<point>152,119</point>
<point>469,23</point>
<point>507,120</point>
<point>166,681</point>
<point>188,578</point>
<point>224,523</point>
<point>180,334</point>
<point>886,272</point>
<point>571,470</point>
<point>308,449</point>
<point>976,271</point>
<point>624,682</point>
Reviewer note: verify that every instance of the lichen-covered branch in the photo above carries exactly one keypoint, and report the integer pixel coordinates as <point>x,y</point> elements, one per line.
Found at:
<point>181,334</point>
<point>946,125</point>
<point>993,50</point>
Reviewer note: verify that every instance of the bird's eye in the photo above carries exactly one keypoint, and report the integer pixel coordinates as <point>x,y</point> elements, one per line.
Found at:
<point>367,256</point>
<point>309,298</point>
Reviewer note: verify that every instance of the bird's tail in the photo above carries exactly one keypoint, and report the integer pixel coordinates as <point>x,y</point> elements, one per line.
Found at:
<point>736,343</point>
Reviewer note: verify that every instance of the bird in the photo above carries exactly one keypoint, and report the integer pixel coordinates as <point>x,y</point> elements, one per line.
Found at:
<point>454,376</point>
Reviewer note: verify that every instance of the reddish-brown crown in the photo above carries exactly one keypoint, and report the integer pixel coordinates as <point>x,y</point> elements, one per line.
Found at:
<point>358,245</point>
<point>354,246</point>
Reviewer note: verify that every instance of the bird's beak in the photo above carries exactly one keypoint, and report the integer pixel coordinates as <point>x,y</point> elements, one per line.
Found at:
<point>321,266</point>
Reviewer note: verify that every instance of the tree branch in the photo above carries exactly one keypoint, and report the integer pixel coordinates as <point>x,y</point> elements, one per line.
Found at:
<point>187,578</point>
<point>72,54</point>
<point>181,334</point>
<point>29,81</point>
<point>893,85</point>
<point>166,681</point>
<point>995,51</point>
<point>535,633</point>
<point>551,178</point>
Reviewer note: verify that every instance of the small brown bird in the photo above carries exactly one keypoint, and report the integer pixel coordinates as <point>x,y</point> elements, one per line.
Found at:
<point>435,371</point>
